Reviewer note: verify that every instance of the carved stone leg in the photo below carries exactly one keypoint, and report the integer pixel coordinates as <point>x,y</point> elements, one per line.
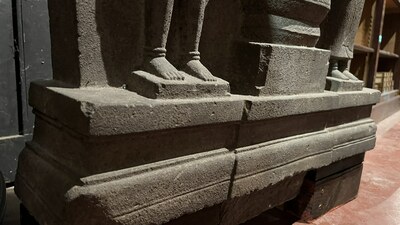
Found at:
<point>344,68</point>
<point>335,72</point>
<point>158,20</point>
<point>340,79</point>
<point>192,23</point>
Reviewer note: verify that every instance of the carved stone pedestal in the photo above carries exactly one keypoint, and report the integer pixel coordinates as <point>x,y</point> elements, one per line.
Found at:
<point>110,156</point>
<point>154,87</point>
<point>335,84</point>
<point>175,149</point>
<point>271,69</point>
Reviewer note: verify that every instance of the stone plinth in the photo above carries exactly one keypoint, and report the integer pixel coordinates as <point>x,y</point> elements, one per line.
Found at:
<point>150,86</point>
<point>105,162</point>
<point>339,85</point>
<point>262,69</point>
<point>171,145</point>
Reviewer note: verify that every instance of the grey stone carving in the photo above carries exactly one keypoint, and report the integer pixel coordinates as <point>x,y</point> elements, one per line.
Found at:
<point>158,16</point>
<point>279,40</point>
<point>176,144</point>
<point>158,20</point>
<point>337,34</point>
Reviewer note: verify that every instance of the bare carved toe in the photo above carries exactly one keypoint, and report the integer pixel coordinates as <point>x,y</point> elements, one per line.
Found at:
<point>196,69</point>
<point>160,67</point>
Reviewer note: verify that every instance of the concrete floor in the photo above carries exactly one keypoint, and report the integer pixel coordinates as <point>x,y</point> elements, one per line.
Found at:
<point>378,202</point>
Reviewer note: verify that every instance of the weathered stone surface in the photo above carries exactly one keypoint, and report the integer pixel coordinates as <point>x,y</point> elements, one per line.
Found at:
<point>111,111</point>
<point>175,144</point>
<point>199,180</point>
<point>277,106</point>
<point>265,164</point>
<point>87,156</point>
<point>86,35</point>
<point>150,86</point>
<point>335,84</point>
<point>284,21</point>
<point>269,69</point>
<point>339,28</point>
<point>139,195</point>
<point>238,210</point>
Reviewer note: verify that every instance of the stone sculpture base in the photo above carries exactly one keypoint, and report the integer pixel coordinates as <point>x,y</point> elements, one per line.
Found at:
<point>334,84</point>
<point>110,156</point>
<point>154,87</point>
<point>327,188</point>
<point>262,69</point>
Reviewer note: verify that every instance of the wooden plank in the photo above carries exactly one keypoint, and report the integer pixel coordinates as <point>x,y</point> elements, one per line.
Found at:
<point>362,49</point>
<point>8,86</point>
<point>364,32</point>
<point>386,54</point>
<point>377,31</point>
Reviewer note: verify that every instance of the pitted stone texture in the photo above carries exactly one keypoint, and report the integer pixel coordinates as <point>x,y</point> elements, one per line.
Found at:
<point>268,69</point>
<point>150,86</point>
<point>284,21</point>
<point>338,85</point>
<point>258,108</point>
<point>238,210</point>
<point>150,194</point>
<point>86,156</point>
<point>113,111</point>
<point>340,27</point>
<point>87,36</point>
<point>265,164</point>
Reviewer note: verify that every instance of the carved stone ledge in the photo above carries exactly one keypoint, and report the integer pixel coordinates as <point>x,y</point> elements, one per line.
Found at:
<point>145,195</point>
<point>113,111</point>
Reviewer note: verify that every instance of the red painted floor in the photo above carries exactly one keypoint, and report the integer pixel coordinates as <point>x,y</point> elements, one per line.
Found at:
<point>378,201</point>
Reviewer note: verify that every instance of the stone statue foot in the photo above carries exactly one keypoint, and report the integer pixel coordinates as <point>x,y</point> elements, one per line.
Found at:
<point>339,75</point>
<point>195,68</point>
<point>347,73</point>
<point>159,66</point>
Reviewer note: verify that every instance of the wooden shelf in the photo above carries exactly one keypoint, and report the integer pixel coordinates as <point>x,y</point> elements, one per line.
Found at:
<point>386,54</point>
<point>392,6</point>
<point>360,49</point>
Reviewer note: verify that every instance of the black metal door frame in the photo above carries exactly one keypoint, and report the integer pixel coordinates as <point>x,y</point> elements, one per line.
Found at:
<point>24,56</point>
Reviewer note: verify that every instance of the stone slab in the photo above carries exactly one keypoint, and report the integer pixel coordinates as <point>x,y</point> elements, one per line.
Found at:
<point>111,111</point>
<point>114,111</point>
<point>149,194</point>
<point>151,86</point>
<point>267,107</point>
<point>335,84</point>
<point>238,210</point>
<point>265,164</point>
<point>263,69</point>
<point>85,156</point>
